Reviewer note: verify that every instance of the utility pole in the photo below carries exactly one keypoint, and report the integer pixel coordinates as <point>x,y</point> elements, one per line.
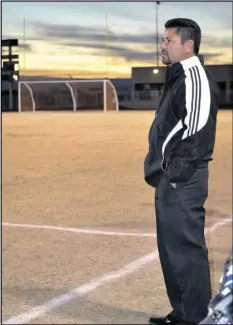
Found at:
<point>107,44</point>
<point>157,32</point>
<point>24,45</point>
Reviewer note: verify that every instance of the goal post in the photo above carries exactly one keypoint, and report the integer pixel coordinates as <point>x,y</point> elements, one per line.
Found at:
<point>67,95</point>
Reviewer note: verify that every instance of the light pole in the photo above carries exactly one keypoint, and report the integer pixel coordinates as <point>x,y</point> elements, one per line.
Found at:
<point>157,33</point>
<point>24,44</point>
<point>107,44</point>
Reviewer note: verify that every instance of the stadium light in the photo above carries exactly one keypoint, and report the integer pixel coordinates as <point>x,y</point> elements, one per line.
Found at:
<point>155,71</point>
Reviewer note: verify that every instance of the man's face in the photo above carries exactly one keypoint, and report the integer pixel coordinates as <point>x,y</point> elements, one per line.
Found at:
<point>172,49</point>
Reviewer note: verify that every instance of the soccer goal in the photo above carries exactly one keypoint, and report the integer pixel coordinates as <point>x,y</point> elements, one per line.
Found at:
<point>67,95</point>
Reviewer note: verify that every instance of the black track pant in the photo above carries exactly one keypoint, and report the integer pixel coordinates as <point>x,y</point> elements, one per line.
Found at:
<point>180,216</point>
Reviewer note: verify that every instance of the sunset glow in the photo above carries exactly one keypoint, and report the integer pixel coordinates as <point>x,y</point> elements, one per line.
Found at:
<point>58,39</point>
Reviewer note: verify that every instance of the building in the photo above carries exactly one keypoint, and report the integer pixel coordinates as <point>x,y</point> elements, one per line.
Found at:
<point>9,74</point>
<point>147,85</point>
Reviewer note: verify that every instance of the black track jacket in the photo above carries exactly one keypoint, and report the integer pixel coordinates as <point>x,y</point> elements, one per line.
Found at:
<point>182,135</point>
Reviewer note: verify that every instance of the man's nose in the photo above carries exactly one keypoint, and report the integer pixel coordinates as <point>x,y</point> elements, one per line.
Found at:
<point>163,45</point>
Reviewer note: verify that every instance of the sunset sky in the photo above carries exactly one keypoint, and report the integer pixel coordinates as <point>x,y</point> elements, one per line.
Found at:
<point>69,38</point>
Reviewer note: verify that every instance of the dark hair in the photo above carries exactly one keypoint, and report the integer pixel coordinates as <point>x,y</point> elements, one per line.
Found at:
<point>187,29</point>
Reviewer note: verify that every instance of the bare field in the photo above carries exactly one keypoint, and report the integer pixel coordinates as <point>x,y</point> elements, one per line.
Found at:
<point>85,171</point>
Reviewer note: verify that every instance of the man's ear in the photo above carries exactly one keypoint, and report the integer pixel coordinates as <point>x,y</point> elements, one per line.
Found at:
<point>189,45</point>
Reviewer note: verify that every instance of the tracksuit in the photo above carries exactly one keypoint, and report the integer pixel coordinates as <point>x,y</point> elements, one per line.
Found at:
<point>181,144</point>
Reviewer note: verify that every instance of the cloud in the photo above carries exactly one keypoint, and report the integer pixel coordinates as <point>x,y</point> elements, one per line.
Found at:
<point>75,36</point>
<point>210,56</point>
<point>217,42</point>
<point>128,47</point>
<point>78,33</point>
<point>115,51</point>
<point>129,55</point>
<point>26,47</point>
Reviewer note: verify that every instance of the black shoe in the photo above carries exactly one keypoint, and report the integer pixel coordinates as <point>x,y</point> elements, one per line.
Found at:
<point>186,323</point>
<point>169,320</point>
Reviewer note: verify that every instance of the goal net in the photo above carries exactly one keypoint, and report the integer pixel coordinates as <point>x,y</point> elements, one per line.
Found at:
<point>67,95</point>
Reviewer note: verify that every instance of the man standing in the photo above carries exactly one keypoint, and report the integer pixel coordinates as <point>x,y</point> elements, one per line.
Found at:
<point>181,143</point>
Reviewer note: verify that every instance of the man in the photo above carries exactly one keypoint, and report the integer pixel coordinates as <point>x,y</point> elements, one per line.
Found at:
<point>181,143</point>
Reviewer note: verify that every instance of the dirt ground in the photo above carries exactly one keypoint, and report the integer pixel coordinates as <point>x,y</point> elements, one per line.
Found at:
<point>85,171</point>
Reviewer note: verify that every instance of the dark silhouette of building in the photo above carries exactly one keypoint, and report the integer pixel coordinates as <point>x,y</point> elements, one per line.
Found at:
<point>147,86</point>
<point>9,74</point>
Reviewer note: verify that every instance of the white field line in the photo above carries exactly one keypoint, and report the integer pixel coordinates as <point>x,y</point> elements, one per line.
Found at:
<point>79,230</point>
<point>82,290</point>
